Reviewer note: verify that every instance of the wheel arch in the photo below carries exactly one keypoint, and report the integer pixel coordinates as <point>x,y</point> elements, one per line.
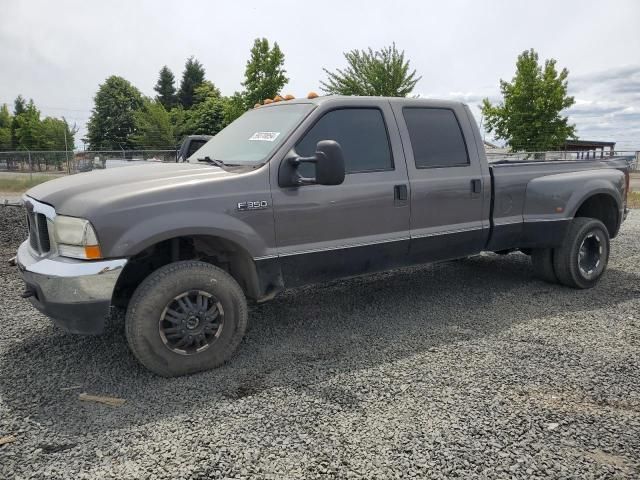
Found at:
<point>256,282</point>
<point>603,206</point>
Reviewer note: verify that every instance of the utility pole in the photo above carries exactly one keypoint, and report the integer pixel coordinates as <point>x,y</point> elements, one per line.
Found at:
<point>66,148</point>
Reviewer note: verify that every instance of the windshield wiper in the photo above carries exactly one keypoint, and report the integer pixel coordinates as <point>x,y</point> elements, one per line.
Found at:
<point>212,161</point>
<point>219,163</point>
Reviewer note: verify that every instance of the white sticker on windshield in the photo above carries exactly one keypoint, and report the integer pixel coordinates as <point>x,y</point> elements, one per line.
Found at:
<point>264,136</point>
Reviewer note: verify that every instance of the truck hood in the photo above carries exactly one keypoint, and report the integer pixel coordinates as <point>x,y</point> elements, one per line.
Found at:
<point>84,193</point>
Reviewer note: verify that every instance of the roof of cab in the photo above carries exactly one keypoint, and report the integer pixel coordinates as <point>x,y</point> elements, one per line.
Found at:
<point>355,100</point>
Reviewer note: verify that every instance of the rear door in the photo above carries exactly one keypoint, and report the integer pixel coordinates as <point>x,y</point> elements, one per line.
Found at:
<point>449,192</point>
<point>362,225</point>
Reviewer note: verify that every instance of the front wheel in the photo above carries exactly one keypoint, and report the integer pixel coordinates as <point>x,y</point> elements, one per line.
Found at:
<point>582,258</point>
<point>186,317</point>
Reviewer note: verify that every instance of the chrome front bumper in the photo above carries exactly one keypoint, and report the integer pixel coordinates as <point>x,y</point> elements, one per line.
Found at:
<point>76,294</point>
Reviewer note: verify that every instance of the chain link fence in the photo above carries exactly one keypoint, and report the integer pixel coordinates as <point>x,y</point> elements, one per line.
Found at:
<point>62,162</point>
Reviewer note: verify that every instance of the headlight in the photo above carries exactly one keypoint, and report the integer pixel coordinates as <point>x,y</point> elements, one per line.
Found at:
<point>76,238</point>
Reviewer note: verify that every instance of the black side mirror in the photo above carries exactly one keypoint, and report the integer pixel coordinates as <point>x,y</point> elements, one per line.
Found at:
<point>329,166</point>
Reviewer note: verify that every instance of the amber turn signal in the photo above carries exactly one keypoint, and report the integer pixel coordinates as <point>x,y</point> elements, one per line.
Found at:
<point>92,252</point>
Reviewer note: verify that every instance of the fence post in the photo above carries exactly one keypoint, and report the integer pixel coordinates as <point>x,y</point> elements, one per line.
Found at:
<point>30,166</point>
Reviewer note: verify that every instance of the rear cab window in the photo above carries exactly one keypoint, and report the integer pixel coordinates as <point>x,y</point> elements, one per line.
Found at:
<point>436,137</point>
<point>362,134</point>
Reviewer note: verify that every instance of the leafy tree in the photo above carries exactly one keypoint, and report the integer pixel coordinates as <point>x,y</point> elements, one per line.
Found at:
<point>205,118</point>
<point>166,89</point>
<point>52,134</point>
<point>265,73</point>
<point>112,122</point>
<point>192,77</point>
<point>528,117</point>
<point>381,73</point>
<point>5,128</point>
<point>153,126</point>
<point>204,91</point>
<point>27,128</point>
<point>234,106</point>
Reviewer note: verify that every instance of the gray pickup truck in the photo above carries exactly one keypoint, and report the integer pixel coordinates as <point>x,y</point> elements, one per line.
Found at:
<point>297,192</point>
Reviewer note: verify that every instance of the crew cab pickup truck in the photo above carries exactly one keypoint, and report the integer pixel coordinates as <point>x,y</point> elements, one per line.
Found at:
<point>297,192</point>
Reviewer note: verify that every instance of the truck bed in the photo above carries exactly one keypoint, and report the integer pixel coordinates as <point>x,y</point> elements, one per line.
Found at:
<point>520,196</point>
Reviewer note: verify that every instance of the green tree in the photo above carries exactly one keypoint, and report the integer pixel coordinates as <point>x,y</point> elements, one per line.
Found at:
<point>192,77</point>
<point>153,126</point>
<point>5,128</point>
<point>205,91</point>
<point>166,89</point>
<point>205,118</point>
<point>234,106</point>
<point>52,134</point>
<point>379,73</point>
<point>528,117</point>
<point>265,73</point>
<point>19,107</point>
<point>27,128</point>
<point>112,123</point>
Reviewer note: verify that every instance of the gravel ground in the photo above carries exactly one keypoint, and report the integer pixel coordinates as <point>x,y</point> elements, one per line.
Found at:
<point>468,369</point>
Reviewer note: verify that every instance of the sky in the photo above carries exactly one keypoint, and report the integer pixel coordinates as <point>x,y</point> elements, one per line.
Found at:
<point>59,52</point>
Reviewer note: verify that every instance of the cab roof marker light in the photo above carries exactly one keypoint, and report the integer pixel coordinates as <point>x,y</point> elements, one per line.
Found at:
<point>312,95</point>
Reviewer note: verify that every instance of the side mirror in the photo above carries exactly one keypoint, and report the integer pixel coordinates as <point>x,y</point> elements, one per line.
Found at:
<point>329,166</point>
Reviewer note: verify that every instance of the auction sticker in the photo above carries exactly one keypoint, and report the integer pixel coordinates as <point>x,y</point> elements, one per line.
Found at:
<point>264,136</point>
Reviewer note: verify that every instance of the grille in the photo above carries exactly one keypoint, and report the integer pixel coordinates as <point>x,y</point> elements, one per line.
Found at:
<point>38,232</point>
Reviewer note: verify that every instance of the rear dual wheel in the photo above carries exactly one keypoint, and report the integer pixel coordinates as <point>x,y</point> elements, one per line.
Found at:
<point>582,258</point>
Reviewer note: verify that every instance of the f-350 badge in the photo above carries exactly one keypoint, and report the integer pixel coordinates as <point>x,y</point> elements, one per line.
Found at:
<point>256,205</point>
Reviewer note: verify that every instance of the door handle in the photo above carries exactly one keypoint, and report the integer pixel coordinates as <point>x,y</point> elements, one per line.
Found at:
<point>476,185</point>
<point>400,193</point>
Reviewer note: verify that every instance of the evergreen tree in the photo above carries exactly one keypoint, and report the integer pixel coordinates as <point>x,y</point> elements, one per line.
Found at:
<point>380,73</point>
<point>166,89</point>
<point>192,77</point>
<point>112,124</point>
<point>27,128</point>
<point>528,117</point>
<point>265,73</point>
<point>19,105</point>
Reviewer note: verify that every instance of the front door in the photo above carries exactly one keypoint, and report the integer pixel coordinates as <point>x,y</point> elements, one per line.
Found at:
<point>325,232</point>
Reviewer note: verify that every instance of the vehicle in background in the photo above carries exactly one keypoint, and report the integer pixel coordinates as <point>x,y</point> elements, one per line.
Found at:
<point>298,192</point>
<point>190,144</point>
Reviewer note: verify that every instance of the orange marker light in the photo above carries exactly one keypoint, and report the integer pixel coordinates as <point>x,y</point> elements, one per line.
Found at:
<point>289,97</point>
<point>277,98</point>
<point>267,101</point>
<point>256,105</point>
<point>312,95</point>
<point>92,252</point>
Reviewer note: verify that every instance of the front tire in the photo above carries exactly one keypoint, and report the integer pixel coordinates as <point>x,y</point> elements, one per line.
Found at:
<point>582,258</point>
<point>186,317</point>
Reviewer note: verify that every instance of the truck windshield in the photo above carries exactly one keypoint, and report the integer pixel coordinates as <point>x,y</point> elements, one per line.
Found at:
<point>254,136</point>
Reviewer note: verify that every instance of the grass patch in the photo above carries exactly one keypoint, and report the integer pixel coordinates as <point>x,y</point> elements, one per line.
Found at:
<point>633,200</point>
<point>23,182</point>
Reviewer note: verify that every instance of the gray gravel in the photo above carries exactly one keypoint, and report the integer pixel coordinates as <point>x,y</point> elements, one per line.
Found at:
<point>468,369</point>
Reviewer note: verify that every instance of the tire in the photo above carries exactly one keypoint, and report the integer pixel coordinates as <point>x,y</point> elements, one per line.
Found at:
<point>582,258</point>
<point>157,326</point>
<point>542,261</point>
